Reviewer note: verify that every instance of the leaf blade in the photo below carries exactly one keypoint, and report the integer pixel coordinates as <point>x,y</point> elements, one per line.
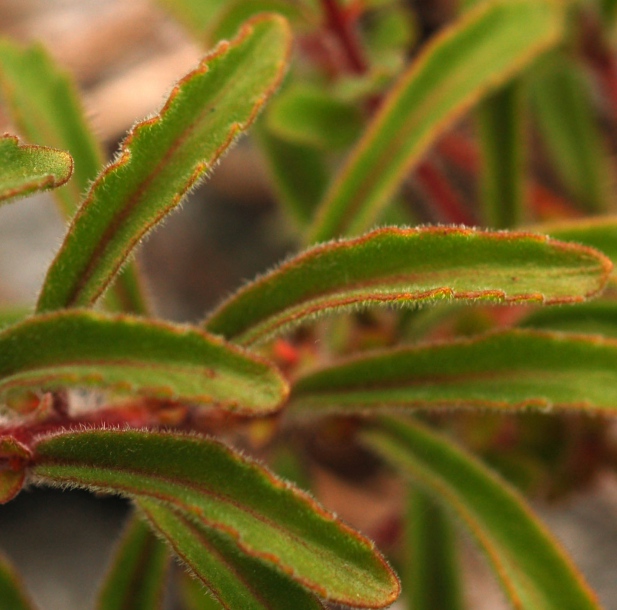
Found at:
<point>493,512</point>
<point>165,156</point>
<point>132,354</point>
<point>269,519</point>
<point>393,265</point>
<point>27,169</point>
<point>13,595</point>
<point>480,51</point>
<point>507,370</point>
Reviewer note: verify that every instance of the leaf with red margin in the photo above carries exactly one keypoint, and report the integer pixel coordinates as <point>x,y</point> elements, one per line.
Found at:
<point>234,579</point>
<point>132,354</point>
<point>137,578</point>
<point>533,570</point>
<point>165,156</point>
<point>26,169</point>
<point>14,458</point>
<point>12,592</point>
<point>503,371</point>
<point>210,484</point>
<point>410,266</point>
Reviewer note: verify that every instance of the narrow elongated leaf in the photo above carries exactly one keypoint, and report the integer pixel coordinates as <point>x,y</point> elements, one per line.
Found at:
<point>599,233</point>
<point>233,578</point>
<point>44,105</point>
<point>83,348</point>
<point>410,266</point>
<point>508,370</point>
<point>432,575</point>
<point>194,596</point>
<point>501,122</point>
<point>27,169</point>
<point>209,483</point>
<point>566,121</point>
<point>137,577</point>
<point>165,156</point>
<point>598,318</point>
<point>532,569</point>
<point>12,592</point>
<point>483,49</point>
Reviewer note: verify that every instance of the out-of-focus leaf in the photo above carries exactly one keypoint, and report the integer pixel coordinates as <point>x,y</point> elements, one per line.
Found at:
<point>509,370</point>
<point>432,574</point>
<point>482,50</point>
<point>534,572</point>
<point>27,169</point>
<point>45,106</point>
<point>210,484</point>
<point>195,15</point>
<point>609,11</point>
<point>410,266</point>
<point>307,115</point>
<point>14,457</point>
<point>163,157</point>
<point>13,595</point>
<point>136,580</point>
<point>559,96</point>
<point>299,175</point>
<point>11,315</point>
<point>233,578</point>
<point>236,12</point>
<point>83,348</point>
<point>594,318</point>
<point>599,233</point>
<point>501,122</point>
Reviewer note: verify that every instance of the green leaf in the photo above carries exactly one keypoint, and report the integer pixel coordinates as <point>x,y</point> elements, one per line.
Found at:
<point>501,121</point>
<point>597,317</point>
<point>508,370</point>
<point>193,594</point>
<point>298,173</point>
<point>560,97</point>
<point>234,579</point>
<point>307,115</point>
<point>13,595</point>
<point>533,571</point>
<point>210,484</point>
<point>163,157</point>
<point>137,577</point>
<point>599,233</point>
<point>410,266</point>
<point>45,106</point>
<point>27,169</point>
<point>481,51</point>
<point>195,15</point>
<point>432,575</point>
<point>129,354</point>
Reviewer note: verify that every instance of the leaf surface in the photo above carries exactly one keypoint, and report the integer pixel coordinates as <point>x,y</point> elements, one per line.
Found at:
<point>130,354</point>
<point>27,169</point>
<point>508,370</point>
<point>13,595</point>
<point>233,578</point>
<point>138,573</point>
<point>410,266</point>
<point>209,483</point>
<point>533,571</point>
<point>163,157</point>
<point>479,52</point>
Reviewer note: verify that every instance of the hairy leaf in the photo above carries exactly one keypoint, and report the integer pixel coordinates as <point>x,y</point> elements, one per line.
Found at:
<point>479,52</point>
<point>12,592</point>
<point>566,121</point>
<point>46,109</point>
<point>136,580</point>
<point>501,121</point>
<point>163,157</point>
<point>507,370</point>
<point>209,483</point>
<point>234,579</point>
<point>27,169</point>
<point>83,348</point>
<point>398,266</point>
<point>432,575</point>
<point>533,571</point>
